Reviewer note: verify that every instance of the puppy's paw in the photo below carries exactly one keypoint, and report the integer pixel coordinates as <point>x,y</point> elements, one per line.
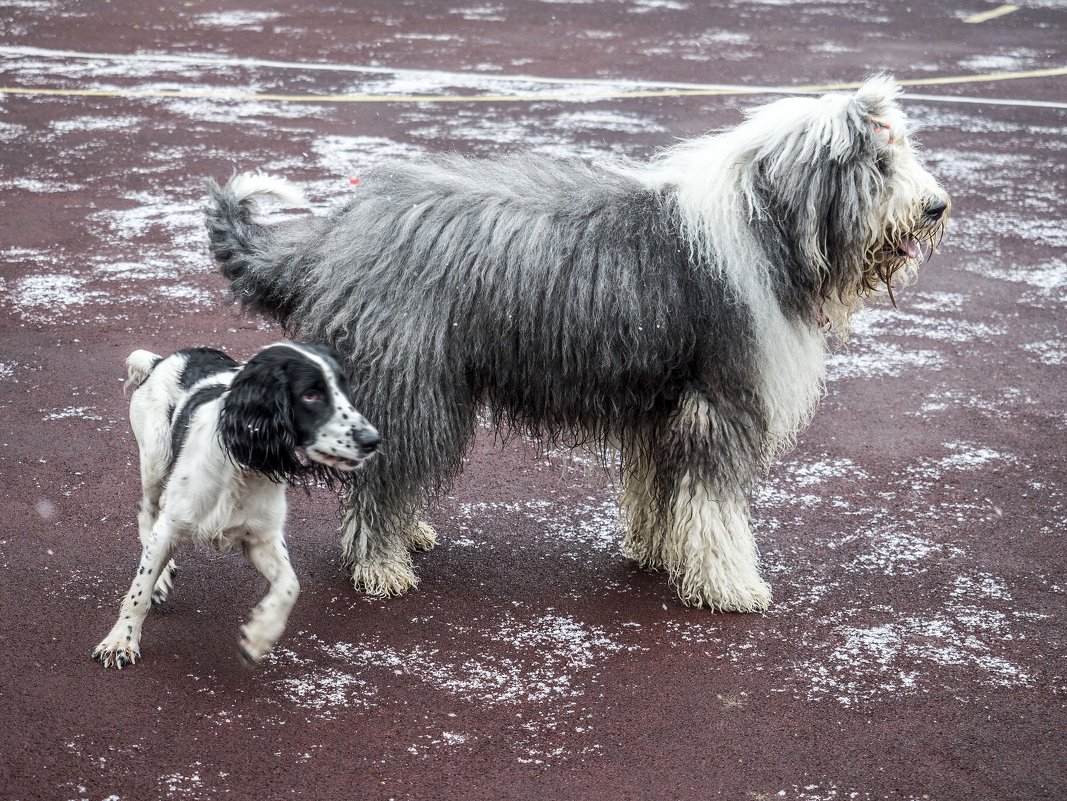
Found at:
<point>253,646</point>
<point>383,579</point>
<point>164,584</point>
<point>258,637</point>
<point>117,651</point>
<point>421,537</point>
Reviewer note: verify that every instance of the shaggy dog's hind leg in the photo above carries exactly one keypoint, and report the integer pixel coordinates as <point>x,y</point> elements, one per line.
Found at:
<point>375,542</point>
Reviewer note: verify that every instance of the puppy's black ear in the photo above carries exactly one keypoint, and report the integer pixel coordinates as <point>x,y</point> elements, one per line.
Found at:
<point>256,426</point>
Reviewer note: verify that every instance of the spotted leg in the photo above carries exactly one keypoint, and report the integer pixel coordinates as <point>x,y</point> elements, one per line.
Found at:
<point>122,645</point>
<point>271,558</point>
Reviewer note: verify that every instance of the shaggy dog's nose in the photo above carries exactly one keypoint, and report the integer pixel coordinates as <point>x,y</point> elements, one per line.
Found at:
<point>935,209</point>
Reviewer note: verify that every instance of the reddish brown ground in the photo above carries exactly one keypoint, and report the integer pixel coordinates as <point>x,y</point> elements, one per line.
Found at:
<point>914,537</point>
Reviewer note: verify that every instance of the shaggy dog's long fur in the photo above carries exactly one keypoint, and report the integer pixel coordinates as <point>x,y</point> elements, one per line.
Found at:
<point>676,311</point>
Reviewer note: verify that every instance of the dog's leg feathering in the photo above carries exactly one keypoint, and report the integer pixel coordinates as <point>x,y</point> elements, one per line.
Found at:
<point>643,528</point>
<point>710,553</point>
<point>421,536</point>
<point>684,503</point>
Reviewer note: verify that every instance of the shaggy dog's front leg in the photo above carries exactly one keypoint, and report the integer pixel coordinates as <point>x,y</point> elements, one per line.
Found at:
<point>643,528</point>
<point>684,503</point>
<point>710,553</point>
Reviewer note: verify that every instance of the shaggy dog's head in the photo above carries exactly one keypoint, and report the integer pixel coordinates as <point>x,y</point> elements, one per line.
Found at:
<point>830,191</point>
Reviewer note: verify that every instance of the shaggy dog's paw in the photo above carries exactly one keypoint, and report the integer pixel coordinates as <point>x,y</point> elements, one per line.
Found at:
<point>117,651</point>
<point>383,579</point>
<point>751,596</point>
<point>421,537</point>
<point>164,584</point>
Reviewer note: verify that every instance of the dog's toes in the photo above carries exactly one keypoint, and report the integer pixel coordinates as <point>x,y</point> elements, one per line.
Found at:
<point>422,537</point>
<point>117,654</point>
<point>751,596</point>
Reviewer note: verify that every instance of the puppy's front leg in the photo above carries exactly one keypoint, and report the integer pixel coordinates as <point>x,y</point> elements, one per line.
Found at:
<point>271,558</point>
<point>122,646</point>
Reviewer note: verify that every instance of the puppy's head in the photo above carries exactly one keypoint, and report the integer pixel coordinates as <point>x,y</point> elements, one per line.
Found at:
<point>288,411</point>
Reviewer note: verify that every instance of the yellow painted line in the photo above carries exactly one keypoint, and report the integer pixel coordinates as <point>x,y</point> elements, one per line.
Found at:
<point>591,95</point>
<point>993,13</point>
<point>1051,72</point>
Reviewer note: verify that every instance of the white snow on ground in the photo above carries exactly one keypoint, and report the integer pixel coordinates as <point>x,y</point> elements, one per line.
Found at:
<point>1051,352</point>
<point>237,20</point>
<point>79,412</point>
<point>543,666</point>
<point>588,524</point>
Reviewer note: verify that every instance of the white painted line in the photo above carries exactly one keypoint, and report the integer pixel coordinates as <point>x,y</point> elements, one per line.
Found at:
<point>694,88</point>
<point>986,101</point>
<point>993,13</point>
<point>205,59</point>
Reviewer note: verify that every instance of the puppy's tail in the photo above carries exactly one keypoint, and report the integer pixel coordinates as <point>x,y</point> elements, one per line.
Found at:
<point>247,251</point>
<point>139,365</point>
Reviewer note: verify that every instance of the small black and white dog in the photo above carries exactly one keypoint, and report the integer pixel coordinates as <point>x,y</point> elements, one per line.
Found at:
<point>676,309</point>
<point>218,442</point>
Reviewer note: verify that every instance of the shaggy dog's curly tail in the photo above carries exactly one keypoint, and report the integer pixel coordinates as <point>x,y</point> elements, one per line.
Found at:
<point>248,252</point>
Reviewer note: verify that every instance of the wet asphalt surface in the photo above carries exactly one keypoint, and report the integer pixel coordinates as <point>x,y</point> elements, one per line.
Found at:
<point>914,537</point>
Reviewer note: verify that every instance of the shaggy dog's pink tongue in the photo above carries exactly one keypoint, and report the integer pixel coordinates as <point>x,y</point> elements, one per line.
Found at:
<point>909,247</point>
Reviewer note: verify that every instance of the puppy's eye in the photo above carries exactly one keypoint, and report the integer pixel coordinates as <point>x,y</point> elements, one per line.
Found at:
<point>312,397</point>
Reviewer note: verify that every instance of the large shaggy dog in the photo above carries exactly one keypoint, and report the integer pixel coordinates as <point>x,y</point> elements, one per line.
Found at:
<point>675,312</point>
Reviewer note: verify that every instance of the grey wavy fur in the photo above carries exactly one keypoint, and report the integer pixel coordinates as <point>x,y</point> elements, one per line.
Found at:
<point>560,296</point>
<point>572,301</point>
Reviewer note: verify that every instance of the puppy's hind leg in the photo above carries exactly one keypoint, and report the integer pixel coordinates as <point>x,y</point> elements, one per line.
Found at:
<point>271,558</point>
<point>147,515</point>
<point>153,427</point>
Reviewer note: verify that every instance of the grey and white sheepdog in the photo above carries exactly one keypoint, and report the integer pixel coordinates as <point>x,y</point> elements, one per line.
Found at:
<point>675,312</point>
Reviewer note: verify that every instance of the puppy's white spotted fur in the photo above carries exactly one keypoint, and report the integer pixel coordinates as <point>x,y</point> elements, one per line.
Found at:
<point>204,494</point>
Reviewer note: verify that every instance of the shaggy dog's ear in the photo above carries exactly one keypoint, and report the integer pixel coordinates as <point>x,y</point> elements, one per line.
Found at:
<point>878,95</point>
<point>256,424</point>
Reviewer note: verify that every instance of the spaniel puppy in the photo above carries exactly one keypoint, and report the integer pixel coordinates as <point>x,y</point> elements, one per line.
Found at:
<point>218,442</point>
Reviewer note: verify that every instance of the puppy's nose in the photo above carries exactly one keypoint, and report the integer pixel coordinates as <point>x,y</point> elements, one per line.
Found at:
<point>935,209</point>
<point>368,439</point>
